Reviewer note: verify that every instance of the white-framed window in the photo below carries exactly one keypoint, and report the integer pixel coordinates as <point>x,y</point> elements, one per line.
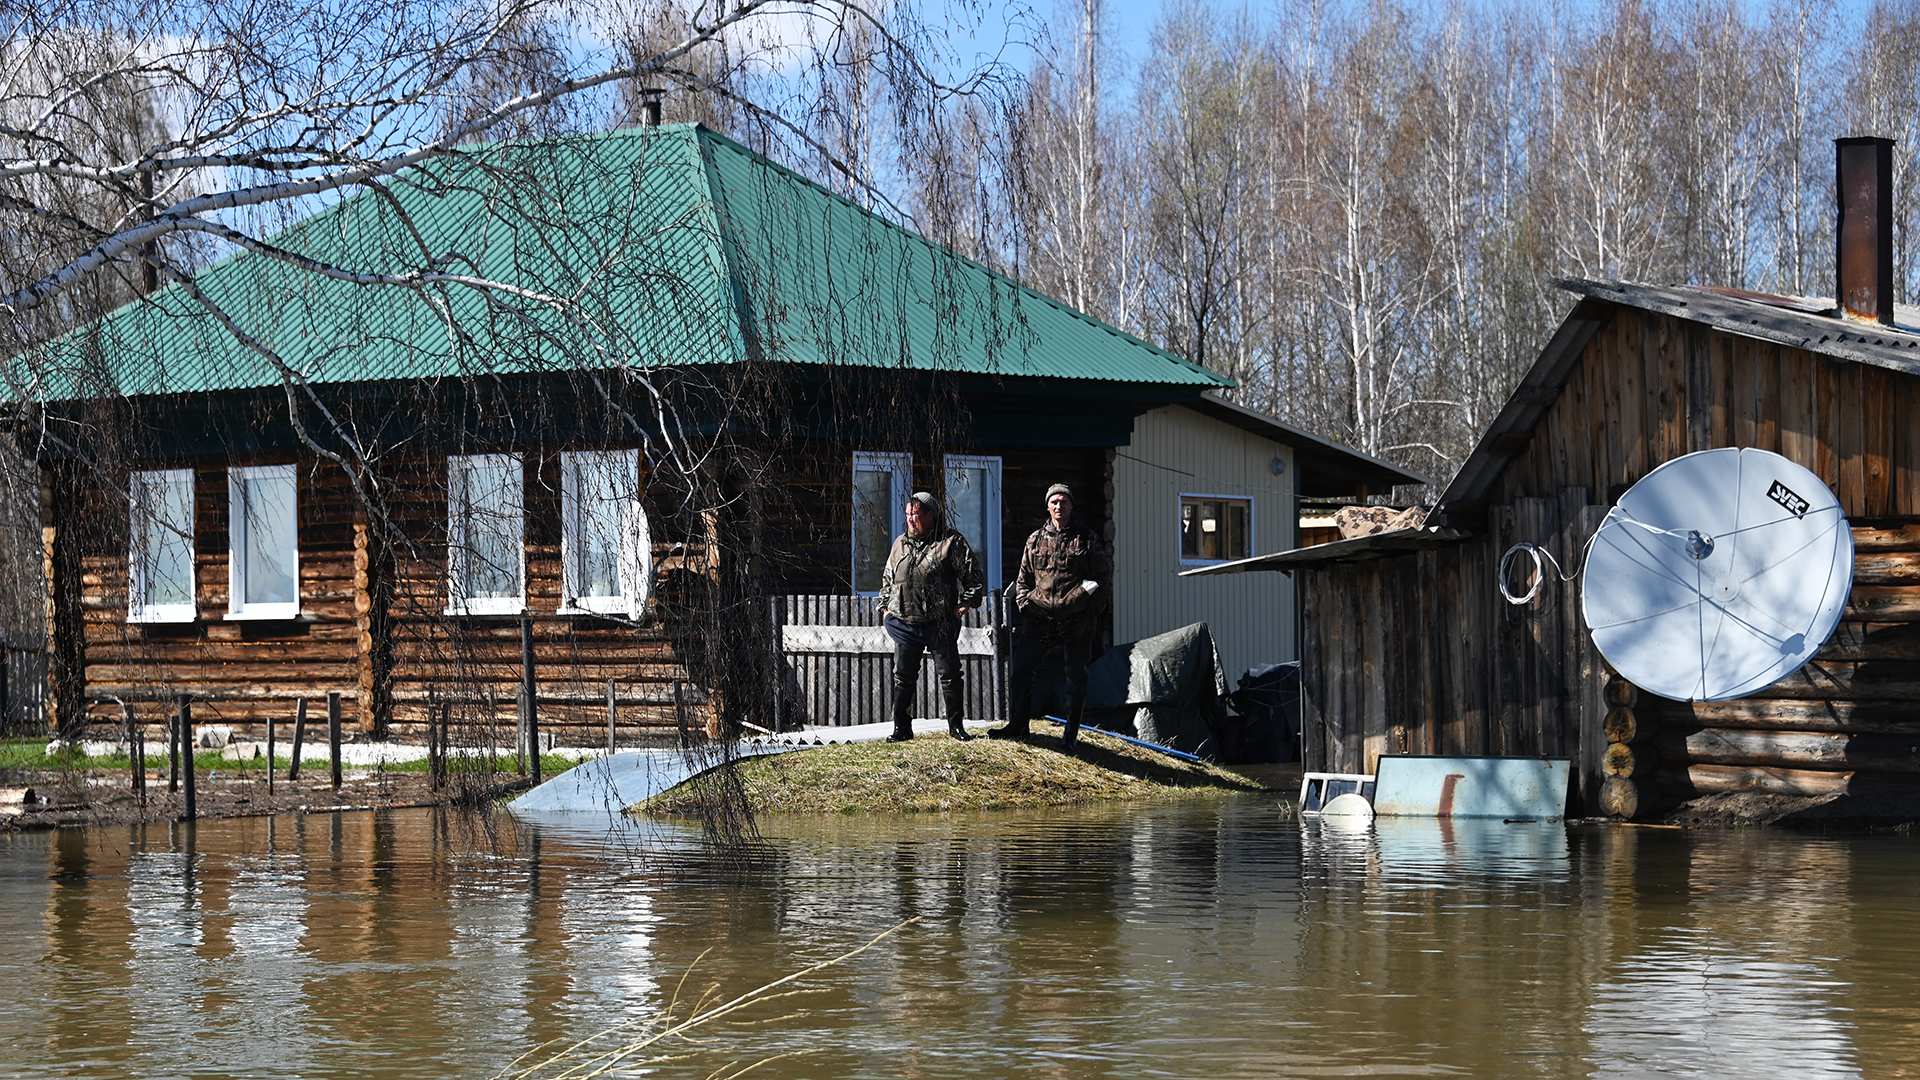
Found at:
<point>486,535</point>
<point>881,484</point>
<point>263,542</point>
<point>973,508</point>
<point>160,584</point>
<point>606,552</point>
<point>1215,528</point>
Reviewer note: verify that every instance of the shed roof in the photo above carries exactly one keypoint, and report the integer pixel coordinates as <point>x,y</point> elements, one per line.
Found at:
<point>1327,469</point>
<point>1804,323</point>
<point>1809,323</point>
<point>647,247</point>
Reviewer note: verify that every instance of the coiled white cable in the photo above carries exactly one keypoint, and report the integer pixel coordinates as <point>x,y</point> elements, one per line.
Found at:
<point>1539,571</point>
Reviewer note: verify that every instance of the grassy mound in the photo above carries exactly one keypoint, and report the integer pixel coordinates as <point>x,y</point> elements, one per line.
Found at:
<point>934,772</point>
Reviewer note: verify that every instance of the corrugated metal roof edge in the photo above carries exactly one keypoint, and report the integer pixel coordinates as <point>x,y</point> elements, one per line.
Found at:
<point>1326,450</point>
<point>710,135</point>
<point>699,133</point>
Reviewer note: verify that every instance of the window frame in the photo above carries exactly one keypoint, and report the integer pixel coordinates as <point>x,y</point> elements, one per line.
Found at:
<point>237,526</point>
<point>635,556</point>
<point>900,466</point>
<point>1178,533</point>
<point>138,548</point>
<point>990,558</point>
<point>458,602</point>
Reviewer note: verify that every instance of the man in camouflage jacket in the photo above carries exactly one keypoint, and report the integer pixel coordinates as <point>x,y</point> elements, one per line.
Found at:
<point>930,582</point>
<point>1065,582</point>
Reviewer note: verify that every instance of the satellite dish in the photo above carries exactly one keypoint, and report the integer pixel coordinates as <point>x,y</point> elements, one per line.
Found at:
<point>1718,574</point>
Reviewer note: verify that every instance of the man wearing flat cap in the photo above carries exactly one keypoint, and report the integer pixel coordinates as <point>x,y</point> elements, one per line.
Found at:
<point>930,581</point>
<point>1065,582</point>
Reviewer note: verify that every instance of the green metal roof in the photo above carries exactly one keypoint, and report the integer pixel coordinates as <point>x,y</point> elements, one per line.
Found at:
<point>651,247</point>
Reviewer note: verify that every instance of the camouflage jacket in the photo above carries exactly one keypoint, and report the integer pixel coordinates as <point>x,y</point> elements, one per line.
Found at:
<point>1052,567</point>
<point>926,579</point>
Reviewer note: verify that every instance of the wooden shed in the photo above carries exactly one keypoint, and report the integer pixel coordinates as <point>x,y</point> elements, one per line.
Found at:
<point>1410,647</point>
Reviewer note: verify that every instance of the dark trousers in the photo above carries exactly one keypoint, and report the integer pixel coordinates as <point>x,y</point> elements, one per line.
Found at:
<point>906,676</point>
<point>1029,649</point>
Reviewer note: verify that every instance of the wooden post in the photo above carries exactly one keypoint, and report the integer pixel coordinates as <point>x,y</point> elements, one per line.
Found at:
<point>529,708</point>
<point>612,716</point>
<point>333,735</point>
<point>299,737</point>
<point>679,711</point>
<point>778,647</point>
<point>186,754</point>
<point>136,753</point>
<point>270,756</point>
<point>439,725</point>
<point>173,754</point>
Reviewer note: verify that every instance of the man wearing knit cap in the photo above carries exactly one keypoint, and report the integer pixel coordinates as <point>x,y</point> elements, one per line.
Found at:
<point>1065,582</point>
<point>930,581</point>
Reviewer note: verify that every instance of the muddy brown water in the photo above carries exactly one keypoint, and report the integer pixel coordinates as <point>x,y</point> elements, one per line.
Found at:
<point>1210,940</point>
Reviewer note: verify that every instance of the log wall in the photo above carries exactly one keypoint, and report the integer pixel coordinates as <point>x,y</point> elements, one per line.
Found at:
<point>1418,653</point>
<point>374,626</point>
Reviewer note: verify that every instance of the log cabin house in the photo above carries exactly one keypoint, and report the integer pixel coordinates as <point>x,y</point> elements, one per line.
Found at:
<point>597,444</point>
<point>1410,648</point>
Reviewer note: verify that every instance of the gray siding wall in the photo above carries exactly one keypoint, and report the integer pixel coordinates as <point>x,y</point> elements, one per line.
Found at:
<point>1174,451</point>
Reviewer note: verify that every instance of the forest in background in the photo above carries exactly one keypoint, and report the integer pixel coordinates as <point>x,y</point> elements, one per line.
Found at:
<point>1355,209</point>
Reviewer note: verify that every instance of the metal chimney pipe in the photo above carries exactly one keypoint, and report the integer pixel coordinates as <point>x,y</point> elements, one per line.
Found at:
<point>1863,238</point>
<point>650,107</point>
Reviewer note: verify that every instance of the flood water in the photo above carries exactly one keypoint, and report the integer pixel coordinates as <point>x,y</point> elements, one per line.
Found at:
<point>1212,940</point>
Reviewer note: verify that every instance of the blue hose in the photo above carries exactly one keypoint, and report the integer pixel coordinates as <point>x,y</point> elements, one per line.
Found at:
<point>1168,750</point>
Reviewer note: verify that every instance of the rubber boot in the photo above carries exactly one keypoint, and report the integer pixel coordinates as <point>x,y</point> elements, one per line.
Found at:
<point>1070,739</point>
<point>952,704</point>
<point>1013,730</point>
<point>902,719</point>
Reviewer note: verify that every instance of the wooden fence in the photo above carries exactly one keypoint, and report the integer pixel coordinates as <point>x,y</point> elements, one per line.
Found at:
<point>836,663</point>
<point>23,690</point>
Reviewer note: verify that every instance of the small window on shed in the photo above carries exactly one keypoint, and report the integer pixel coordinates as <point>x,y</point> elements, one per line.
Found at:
<point>486,535</point>
<point>160,549</point>
<point>1215,528</point>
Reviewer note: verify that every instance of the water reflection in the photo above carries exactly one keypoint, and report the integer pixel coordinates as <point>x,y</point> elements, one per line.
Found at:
<point>1196,940</point>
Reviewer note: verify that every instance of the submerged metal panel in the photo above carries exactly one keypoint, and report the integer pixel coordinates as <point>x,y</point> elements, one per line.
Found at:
<point>1411,785</point>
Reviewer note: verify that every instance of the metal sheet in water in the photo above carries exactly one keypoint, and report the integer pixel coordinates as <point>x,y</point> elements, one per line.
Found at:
<point>1418,785</point>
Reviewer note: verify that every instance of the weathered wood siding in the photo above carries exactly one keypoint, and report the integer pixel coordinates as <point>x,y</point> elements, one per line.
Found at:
<point>1650,388</point>
<point>1176,450</point>
<point>1420,654</point>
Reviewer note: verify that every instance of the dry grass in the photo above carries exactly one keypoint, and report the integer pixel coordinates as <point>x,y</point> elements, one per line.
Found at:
<point>934,773</point>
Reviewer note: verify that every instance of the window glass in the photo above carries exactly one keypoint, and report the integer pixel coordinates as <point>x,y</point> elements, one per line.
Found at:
<point>604,539</point>
<point>973,508</point>
<point>1215,529</point>
<point>879,496</point>
<point>486,530</point>
<point>271,537</point>
<point>160,562</point>
<point>263,556</point>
